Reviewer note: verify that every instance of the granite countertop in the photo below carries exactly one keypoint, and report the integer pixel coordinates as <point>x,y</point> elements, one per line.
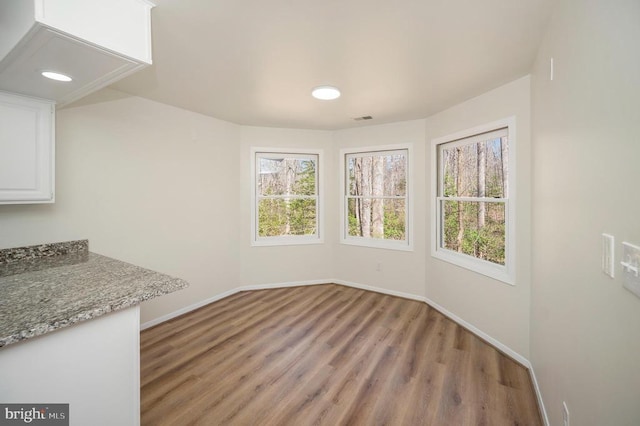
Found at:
<point>47,287</point>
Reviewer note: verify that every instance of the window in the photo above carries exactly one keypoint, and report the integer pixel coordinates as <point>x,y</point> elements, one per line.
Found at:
<point>286,203</point>
<point>376,197</point>
<point>474,200</point>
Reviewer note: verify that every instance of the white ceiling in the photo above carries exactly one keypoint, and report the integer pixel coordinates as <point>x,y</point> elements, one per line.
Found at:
<point>254,62</point>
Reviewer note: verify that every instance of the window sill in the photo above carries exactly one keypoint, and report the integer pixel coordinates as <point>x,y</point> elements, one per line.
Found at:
<point>280,241</point>
<point>491,270</point>
<point>379,244</point>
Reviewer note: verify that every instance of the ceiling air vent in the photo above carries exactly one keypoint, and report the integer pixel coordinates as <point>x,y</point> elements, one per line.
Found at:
<point>364,117</point>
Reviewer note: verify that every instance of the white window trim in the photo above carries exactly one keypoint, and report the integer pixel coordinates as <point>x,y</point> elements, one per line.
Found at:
<point>289,239</point>
<point>406,245</point>
<point>505,273</point>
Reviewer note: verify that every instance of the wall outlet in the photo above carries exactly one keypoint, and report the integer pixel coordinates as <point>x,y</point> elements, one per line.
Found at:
<point>379,267</point>
<point>565,414</point>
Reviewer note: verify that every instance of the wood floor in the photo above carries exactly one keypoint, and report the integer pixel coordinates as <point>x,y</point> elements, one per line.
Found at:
<point>326,355</point>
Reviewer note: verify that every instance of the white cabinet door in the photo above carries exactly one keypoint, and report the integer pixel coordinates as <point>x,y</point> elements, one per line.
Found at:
<point>26,150</point>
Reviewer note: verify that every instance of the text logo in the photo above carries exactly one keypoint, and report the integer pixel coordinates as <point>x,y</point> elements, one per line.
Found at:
<point>34,414</point>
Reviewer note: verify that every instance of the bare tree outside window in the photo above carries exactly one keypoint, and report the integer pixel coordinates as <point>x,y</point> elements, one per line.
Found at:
<point>286,194</point>
<point>376,194</point>
<point>473,188</point>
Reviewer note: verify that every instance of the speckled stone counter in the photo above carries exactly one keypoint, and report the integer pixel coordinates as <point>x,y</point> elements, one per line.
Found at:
<point>47,287</point>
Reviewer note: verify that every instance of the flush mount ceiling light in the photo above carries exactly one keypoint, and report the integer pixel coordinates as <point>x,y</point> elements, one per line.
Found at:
<point>56,76</point>
<point>325,93</point>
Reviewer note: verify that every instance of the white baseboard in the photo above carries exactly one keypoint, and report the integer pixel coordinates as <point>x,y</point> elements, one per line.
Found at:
<point>536,388</point>
<point>499,345</point>
<point>381,290</point>
<point>282,285</point>
<point>227,293</point>
<point>187,309</point>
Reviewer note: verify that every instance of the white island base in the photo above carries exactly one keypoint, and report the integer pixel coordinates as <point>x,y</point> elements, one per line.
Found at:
<point>94,366</point>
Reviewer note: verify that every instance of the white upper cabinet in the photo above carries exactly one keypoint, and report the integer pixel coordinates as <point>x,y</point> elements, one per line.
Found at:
<point>26,150</point>
<point>95,42</point>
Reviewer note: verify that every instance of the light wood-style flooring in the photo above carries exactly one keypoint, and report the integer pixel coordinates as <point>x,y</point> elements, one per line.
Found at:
<point>327,355</point>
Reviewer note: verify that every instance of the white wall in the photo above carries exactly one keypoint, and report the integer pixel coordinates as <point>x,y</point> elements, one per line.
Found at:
<point>497,309</point>
<point>586,155</point>
<point>145,183</point>
<point>401,271</point>
<point>284,264</point>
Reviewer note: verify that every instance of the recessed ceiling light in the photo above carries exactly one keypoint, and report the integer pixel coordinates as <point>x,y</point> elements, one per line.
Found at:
<point>56,76</point>
<point>325,93</point>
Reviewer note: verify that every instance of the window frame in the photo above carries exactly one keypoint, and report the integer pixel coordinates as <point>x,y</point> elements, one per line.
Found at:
<point>281,240</point>
<point>345,238</point>
<point>506,272</point>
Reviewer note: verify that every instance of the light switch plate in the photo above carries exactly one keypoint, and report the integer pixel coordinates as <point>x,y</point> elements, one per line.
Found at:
<point>631,267</point>
<point>608,254</point>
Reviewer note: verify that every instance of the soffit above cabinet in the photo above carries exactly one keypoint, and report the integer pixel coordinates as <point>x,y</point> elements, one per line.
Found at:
<point>96,43</point>
<point>91,68</point>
